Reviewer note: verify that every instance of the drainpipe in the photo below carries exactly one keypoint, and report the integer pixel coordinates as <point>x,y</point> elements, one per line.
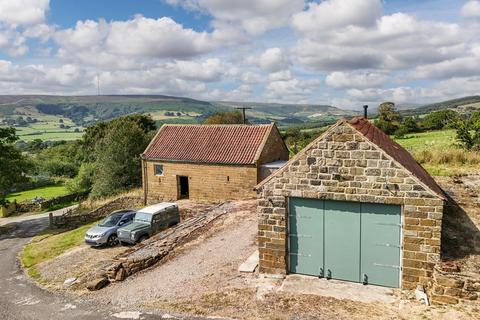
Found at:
<point>145,182</point>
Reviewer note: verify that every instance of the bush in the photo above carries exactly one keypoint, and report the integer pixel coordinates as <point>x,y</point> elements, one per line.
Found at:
<point>83,181</point>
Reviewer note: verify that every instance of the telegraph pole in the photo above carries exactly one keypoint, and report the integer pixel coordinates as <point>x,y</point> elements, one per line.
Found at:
<point>98,84</point>
<point>243,112</point>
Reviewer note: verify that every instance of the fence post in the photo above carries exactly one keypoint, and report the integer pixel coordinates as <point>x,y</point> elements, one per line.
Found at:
<point>50,219</point>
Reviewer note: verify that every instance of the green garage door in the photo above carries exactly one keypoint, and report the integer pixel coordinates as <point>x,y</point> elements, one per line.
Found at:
<point>345,240</point>
<point>380,244</point>
<point>305,242</point>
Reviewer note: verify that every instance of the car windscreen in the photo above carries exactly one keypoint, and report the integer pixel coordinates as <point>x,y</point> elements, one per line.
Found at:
<point>111,221</point>
<point>142,217</point>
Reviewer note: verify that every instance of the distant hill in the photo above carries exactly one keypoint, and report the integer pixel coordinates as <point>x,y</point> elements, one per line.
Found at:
<point>462,105</point>
<point>85,110</point>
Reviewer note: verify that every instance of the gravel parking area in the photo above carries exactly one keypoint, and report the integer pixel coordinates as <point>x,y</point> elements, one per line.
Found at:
<point>205,264</point>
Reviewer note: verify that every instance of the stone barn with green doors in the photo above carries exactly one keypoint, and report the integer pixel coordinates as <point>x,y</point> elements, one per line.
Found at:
<point>353,205</point>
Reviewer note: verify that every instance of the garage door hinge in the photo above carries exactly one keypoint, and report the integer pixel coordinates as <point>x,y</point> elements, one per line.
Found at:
<point>387,266</point>
<point>300,254</point>
<point>300,235</point>
<point>387,245</point>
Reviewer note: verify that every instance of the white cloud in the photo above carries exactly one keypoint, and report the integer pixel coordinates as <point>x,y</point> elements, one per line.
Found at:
<point>160,38</point>
<point>292,90</point>
<point>283,75</point>
<point>397,41</point>
<point>471,9</point>
<point>23,12</point>
<point>329,15</point>
<point>397,95</point>
<point>254,16</point>
<point>208,70</point>
<point>130,44</point>
<point>359,80</point>
<point>273,60</point>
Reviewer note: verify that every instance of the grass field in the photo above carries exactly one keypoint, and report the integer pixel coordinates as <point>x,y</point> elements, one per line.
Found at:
<point>428,140</point>
<point>50,244</point>
<point>48,128</point>
<point>46,192</point>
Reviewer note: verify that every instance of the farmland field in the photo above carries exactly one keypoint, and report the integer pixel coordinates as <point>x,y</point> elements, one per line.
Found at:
<point>48,127</point>
<point>46,192</point>
<point>428,140</point>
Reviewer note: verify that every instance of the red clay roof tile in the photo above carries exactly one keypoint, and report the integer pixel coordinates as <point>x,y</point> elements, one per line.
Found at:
<point>226,144</point>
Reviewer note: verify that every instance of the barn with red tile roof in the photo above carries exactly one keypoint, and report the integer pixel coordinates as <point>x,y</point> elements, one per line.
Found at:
<point>353,205</point>
<point>210,162</point>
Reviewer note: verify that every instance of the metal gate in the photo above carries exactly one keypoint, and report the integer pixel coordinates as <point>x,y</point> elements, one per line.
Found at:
<point>345,240</point>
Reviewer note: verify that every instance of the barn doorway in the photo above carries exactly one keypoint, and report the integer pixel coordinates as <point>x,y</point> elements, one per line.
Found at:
<point>183,189</point>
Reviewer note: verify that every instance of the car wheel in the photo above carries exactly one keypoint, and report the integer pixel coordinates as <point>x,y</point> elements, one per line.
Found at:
<point>142,238</point>
<point>112,240</point>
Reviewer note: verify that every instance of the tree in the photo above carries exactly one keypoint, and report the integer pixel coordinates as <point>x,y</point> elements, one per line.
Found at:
<point>94,134</point>
<point>233,117</point>
<point>388,118</point>
<point>60,160</point>
<point>13,165</point>
<point>440,119</point>
<point>117,166</point>
<point>84,180</point>
<point>468,134</point>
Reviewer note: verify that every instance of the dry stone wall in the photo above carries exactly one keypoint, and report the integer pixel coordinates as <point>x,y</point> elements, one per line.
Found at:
<point>451,287</point>
<point>78,217</point>
<point>343,165</point>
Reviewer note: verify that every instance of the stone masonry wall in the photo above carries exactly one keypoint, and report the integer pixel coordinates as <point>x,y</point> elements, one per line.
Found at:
<point>206,181</point>
<point>451,286</point>
<point>78,217</point>
<point>345,166</point>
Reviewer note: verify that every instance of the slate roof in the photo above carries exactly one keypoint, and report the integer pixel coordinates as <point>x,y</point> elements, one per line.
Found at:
<point>221,144</point>
<point>396,151</point>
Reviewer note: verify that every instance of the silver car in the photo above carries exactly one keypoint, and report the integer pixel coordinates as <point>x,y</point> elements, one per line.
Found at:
<point>105,233</point>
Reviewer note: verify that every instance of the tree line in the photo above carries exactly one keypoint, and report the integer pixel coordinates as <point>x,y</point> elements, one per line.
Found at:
<point>467,126</point>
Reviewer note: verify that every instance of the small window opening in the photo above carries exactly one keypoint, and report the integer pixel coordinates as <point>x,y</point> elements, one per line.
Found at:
<point>158,169</point>
<point>228,178</point>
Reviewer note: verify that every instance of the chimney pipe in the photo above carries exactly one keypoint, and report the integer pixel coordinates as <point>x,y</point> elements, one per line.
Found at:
<point>365,113</point>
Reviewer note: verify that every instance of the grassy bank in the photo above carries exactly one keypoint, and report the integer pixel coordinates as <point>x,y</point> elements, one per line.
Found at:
<point>48,245</point>
<point>414,142</point>
<point>47,192</point>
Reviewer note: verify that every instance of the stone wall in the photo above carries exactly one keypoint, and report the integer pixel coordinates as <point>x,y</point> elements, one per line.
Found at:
<point>343,165</point>
<point>28,206</point>
<point>451,286</point>
<point>79,217</point>
<point>206,181</point>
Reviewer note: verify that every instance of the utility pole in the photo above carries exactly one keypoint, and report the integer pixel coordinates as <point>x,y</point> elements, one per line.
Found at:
<point>243,112</point>
<point>98,84</point>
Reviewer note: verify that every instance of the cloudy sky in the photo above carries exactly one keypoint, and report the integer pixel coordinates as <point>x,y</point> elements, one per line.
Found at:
<point>341,52</point>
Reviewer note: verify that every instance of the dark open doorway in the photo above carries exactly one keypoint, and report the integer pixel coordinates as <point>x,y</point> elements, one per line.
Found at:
<point>182,187</point>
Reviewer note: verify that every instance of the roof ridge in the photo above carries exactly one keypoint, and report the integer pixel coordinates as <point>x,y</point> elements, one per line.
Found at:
<point>218,125</point>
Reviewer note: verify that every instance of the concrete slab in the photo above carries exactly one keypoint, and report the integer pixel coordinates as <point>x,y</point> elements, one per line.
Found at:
<point>337,289</point>
<point>250,264</point>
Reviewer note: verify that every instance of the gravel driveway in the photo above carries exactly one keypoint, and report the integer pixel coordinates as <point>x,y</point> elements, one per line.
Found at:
<point>202,265</point>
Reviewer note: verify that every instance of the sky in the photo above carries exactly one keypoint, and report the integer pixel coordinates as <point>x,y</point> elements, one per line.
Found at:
<point>345,53</point>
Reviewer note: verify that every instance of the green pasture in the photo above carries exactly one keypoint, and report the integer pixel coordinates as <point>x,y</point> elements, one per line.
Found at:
<point>428,140</point>
<point>47,192</point>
